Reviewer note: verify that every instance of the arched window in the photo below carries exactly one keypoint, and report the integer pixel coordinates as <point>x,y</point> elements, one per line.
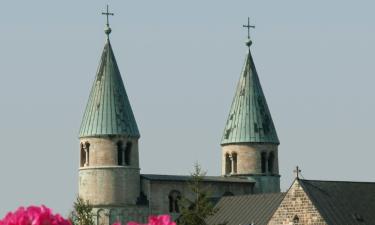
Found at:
<point>271,159</point>
<point>234,161</point>
<point>174,196</point>
<point>263,161</point>
<point>83,156</point>
<point>128,150</point>
<point>120,154</point>
<point>228,164</point>
<point>101,217</point>
<point>295,220</point>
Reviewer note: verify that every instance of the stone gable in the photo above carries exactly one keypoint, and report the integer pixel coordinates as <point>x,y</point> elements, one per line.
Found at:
<point>296,209</point>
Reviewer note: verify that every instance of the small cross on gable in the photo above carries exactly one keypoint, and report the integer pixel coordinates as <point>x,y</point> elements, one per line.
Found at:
<point>297,171</point>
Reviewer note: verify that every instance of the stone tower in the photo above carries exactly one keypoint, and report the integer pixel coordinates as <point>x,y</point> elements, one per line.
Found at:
<point>109,160</point>
<point>250,143</point>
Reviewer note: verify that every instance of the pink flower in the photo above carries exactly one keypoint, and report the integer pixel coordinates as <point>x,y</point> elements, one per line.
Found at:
<point>33,215</point>
<point>155,220</point>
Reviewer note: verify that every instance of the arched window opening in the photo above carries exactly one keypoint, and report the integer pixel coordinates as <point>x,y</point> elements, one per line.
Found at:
<point>263,162</point>
<point>228,164</point>
<point>234,161</point>
<point>101,217</point>
<point>120,153</point>
<point>86,148</point>
<point>128,150</point>
<point>271,159</point>
<point>174,197</point>
<point>83,156</point>
<point>295,219</point>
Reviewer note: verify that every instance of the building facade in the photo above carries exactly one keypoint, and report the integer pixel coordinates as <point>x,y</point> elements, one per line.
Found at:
<point>109,170</point>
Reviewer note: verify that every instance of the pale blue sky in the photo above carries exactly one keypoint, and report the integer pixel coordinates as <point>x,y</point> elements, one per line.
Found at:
<point>180,61</point>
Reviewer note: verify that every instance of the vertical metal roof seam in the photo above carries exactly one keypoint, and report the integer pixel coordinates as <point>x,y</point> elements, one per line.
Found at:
<point>249,107</point>
<point>108,111</point>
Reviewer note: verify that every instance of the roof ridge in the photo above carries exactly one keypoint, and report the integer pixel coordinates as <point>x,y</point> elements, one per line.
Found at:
<point>255,195</point>
<point>339,181</point>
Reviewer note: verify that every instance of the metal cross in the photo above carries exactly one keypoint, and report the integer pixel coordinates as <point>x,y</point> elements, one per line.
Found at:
<point>107,13</point>
<point>248,26</point>
<point>297,171</point>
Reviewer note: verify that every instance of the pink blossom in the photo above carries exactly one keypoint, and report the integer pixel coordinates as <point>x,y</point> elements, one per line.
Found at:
<point>33,215</point>
<point>155,220</point>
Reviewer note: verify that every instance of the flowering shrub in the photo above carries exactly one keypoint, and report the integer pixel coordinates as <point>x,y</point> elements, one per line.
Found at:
<point>33,215</point>
<point>154,220</point>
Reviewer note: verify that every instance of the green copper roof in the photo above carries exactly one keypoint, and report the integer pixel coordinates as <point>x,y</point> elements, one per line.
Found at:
<point>249,118</point>
<point>108,111</point>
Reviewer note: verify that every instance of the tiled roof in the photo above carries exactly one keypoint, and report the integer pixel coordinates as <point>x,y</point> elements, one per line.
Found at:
<point>249,118</point>
<point>160,177</point>
<point>342,202</point>
<point>246,209</point>
<point>108,110</point>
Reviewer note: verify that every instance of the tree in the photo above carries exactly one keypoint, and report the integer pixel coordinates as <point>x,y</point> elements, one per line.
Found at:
<point>194,211</point>
<point>82,213</point>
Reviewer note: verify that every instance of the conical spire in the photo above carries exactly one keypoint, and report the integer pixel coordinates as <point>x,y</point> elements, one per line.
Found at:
<point>249,119</point>
<point>108,111</point>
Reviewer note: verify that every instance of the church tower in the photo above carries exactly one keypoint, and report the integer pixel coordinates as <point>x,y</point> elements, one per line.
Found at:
<point>109,173</point>
<point>250,142</point>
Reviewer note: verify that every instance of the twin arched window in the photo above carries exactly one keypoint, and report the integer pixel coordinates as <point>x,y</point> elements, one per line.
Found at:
<point>124,154</point>
<point>231,163</point>
<point>268,162</point>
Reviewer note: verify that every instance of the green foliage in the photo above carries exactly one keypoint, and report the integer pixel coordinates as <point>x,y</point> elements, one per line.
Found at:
<point>82,214</point>
<point>194,211</point>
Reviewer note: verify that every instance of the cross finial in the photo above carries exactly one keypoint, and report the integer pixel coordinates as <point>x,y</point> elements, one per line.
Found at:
<point>107,13</point>
<point>248,26</point>
<point>297,171</point>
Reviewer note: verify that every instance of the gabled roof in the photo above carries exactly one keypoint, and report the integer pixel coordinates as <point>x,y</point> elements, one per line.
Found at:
<point>246,209</point>
<point>108,110</point>
<point>185,178</point>
<point>249,118</point>
<point>342,202</point>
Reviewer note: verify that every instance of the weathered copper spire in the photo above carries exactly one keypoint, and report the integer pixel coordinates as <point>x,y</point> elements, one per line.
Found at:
<point>108,110</point>
<point>249,118</point>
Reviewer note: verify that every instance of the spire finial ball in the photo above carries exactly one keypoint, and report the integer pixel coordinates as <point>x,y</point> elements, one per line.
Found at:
<point>248,43</point>
<point>107,30</point>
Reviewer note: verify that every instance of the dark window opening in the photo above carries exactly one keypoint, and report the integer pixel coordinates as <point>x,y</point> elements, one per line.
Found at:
<point>128,149</point>
<point>174,198</point>
<point>83,156</point>
<point>295,219</point>
<point>234,158</point>
<point>120,154</point>
<point>228,166</point>
<point>87,153</point>
<point>263,162</point>
<point>271,159</point>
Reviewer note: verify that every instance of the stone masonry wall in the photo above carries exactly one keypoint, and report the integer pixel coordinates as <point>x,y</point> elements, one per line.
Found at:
<point>249,157</point>
<point>160,190</point>
<point>110,215</point>
<point>296,204</point>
